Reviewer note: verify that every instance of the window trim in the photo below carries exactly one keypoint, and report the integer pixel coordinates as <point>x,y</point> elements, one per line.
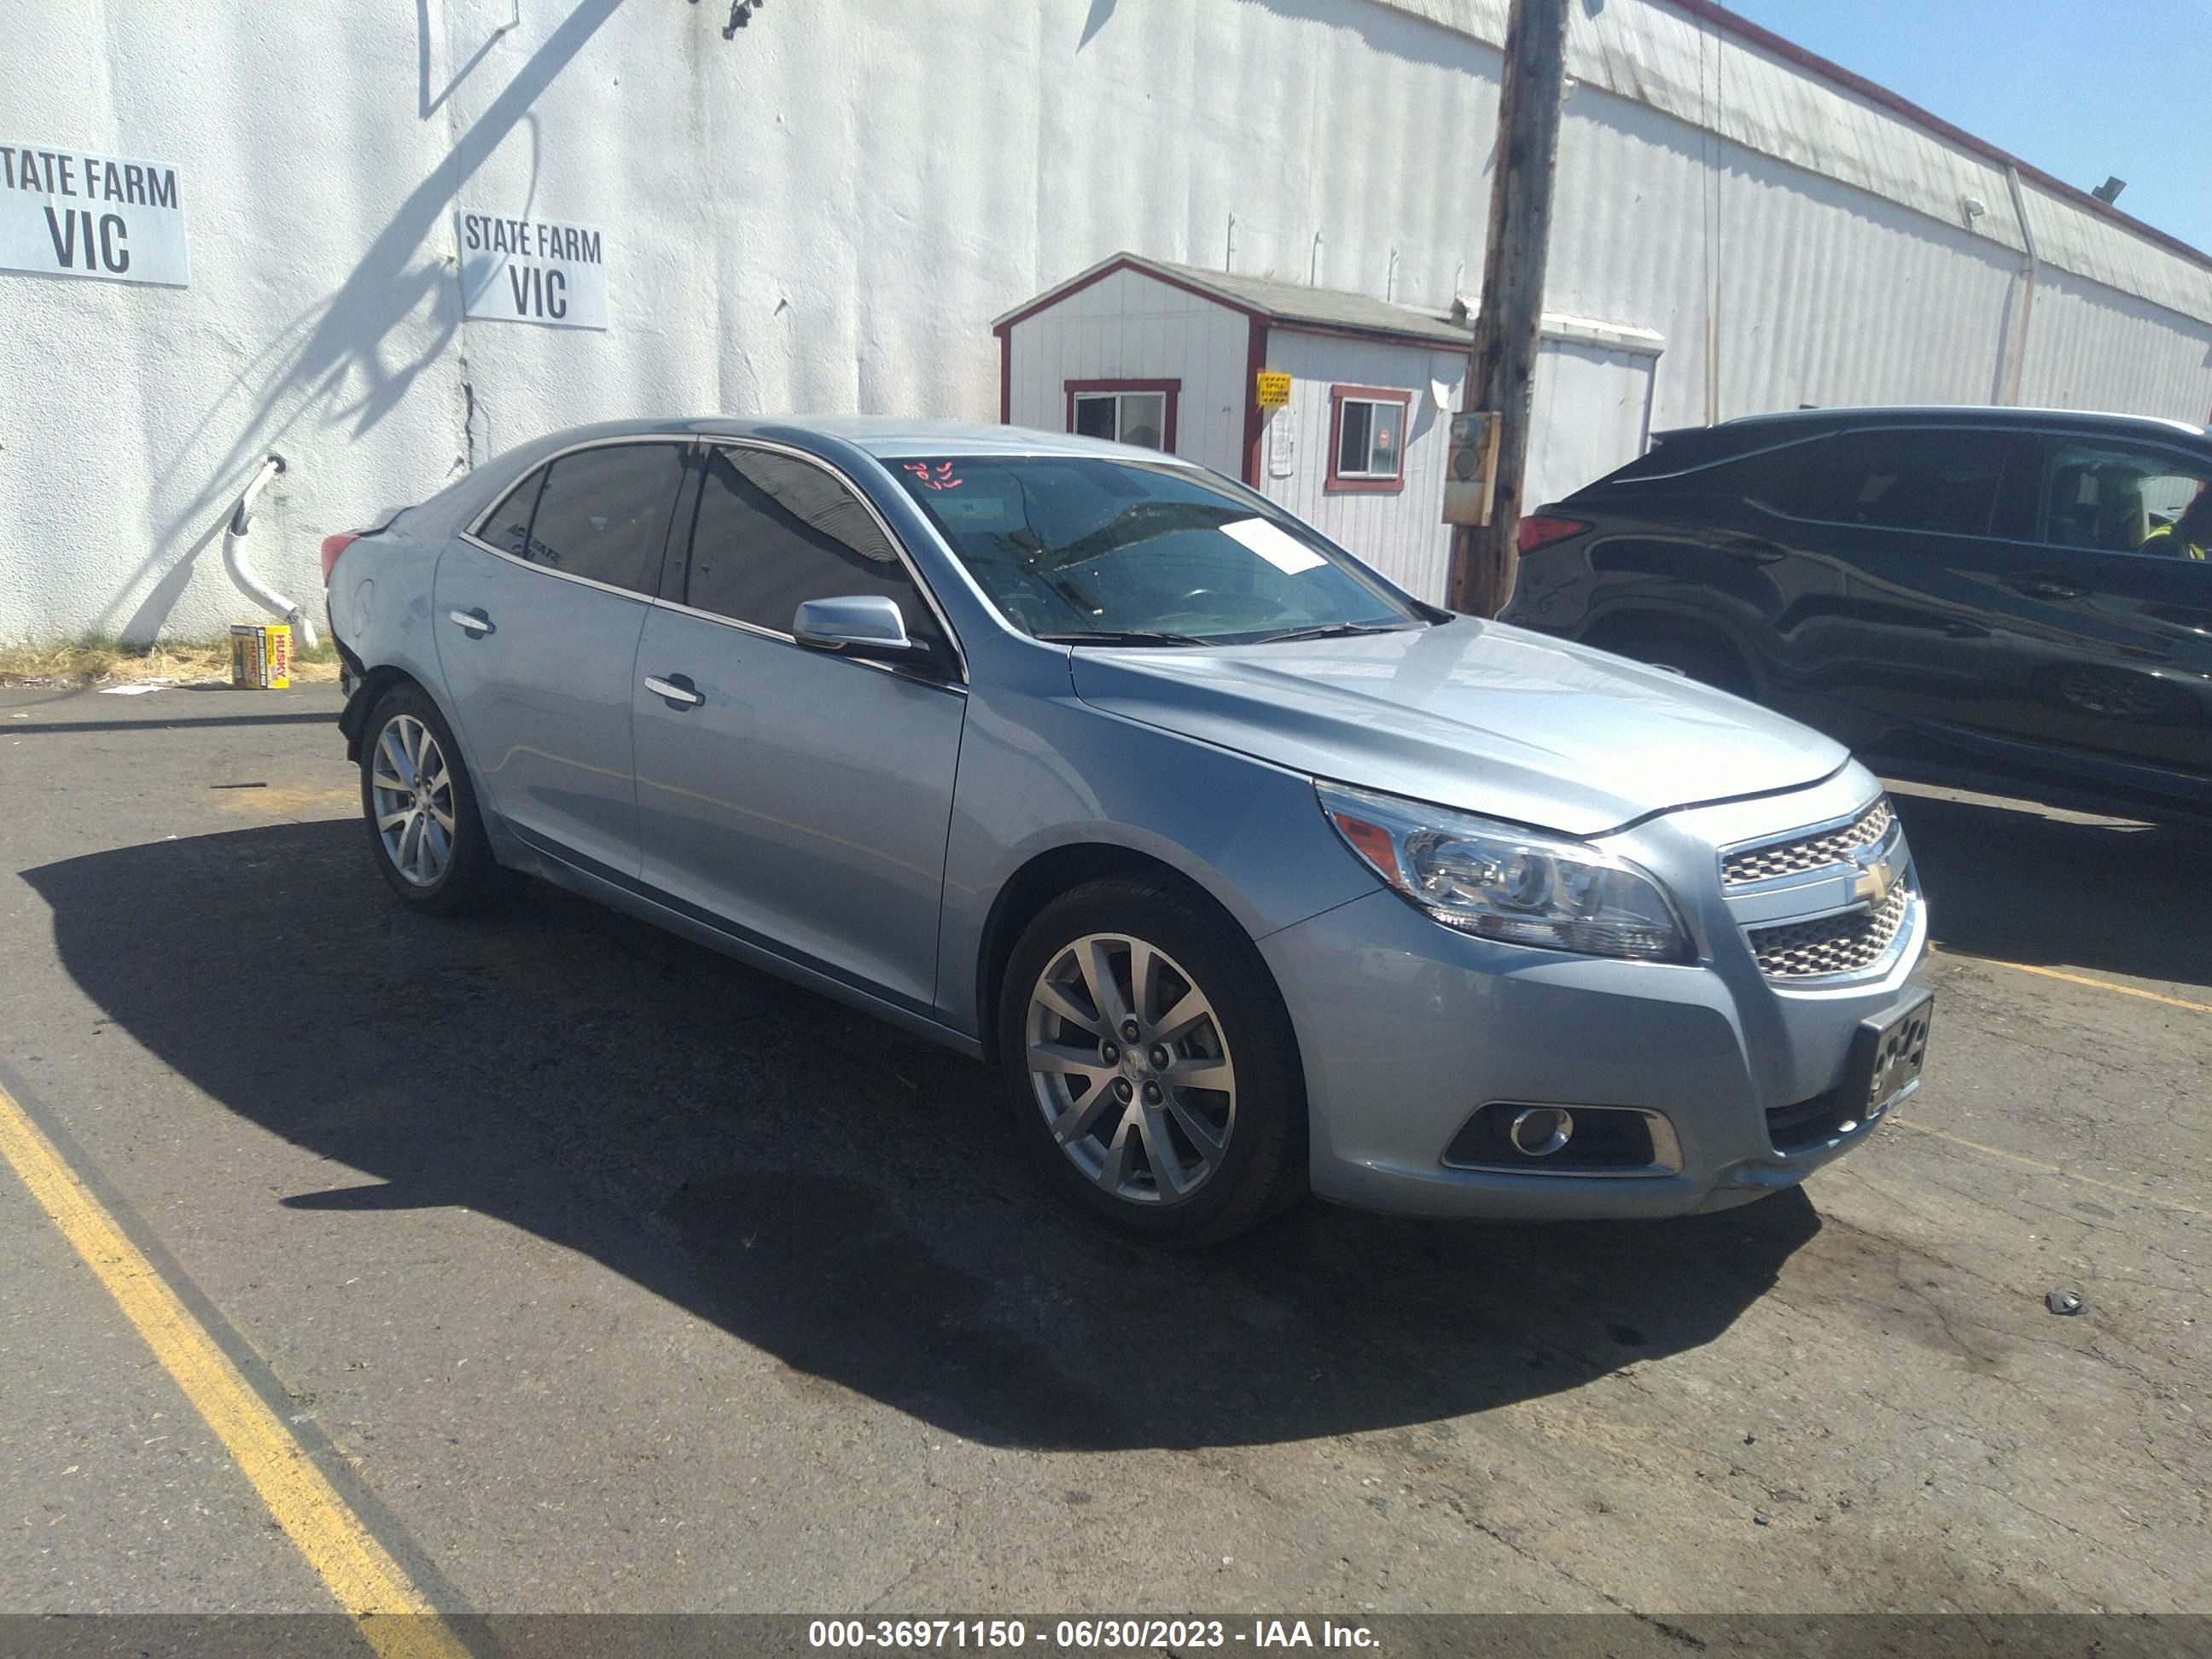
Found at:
<point>960,680</point>
<point>1366,483</point>
<point>1092,388</point>
<point>643,596</point>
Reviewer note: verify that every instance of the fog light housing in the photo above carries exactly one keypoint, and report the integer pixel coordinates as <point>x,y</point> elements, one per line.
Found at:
<point>1518,1138</point>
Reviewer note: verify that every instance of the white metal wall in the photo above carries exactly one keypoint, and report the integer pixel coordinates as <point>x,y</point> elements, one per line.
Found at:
<point>1401,535</point>
<point>1589,413</point>
<point>825,212</point>
<point>1131,326</point>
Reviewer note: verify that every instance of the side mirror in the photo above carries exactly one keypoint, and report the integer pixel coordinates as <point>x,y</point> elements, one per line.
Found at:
<point>862,625</point>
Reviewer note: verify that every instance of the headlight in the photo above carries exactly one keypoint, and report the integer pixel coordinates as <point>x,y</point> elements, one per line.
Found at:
<point>1505,883</point>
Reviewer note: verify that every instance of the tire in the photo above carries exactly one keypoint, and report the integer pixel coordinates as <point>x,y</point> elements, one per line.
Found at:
<point>406,829</point>
<point>1255,1163</point>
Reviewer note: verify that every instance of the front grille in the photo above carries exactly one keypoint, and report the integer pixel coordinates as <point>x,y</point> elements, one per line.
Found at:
<point>1789,858</point>
<point>1843,944</point>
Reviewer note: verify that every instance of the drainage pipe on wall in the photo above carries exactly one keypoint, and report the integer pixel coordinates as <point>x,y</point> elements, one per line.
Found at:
<point>2027,272</point>
<point>251,586</point>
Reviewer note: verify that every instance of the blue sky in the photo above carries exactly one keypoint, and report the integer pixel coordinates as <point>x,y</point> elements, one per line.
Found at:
<point>2079,88</point>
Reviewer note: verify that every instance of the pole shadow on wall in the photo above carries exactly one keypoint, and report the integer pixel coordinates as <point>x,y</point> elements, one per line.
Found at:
<point>334,357</point>
<point>825,1190</point>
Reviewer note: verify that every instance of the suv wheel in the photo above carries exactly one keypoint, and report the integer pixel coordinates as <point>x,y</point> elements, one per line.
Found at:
<point>424,831</point>
<point>1150,1060</point>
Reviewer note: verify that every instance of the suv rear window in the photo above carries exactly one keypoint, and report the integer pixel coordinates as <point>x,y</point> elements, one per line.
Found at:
<point>1932,480</point>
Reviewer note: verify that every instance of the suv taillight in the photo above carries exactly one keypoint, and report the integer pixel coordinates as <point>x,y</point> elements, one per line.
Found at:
<point>334,545</point>
<point>1541,530</point>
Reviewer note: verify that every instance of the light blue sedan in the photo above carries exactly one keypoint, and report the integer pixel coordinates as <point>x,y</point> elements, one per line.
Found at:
<point>1251,873</point>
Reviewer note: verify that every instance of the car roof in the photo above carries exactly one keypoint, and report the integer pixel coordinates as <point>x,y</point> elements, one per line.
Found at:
<point>1966,415</point>
<point>884,437</point>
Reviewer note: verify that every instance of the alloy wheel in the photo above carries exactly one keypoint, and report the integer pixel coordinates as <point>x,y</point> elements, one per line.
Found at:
<point>1128,1065</point>
<point>412,788</point>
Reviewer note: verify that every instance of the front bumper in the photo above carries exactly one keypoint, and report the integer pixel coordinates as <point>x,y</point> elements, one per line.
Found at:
<point>1407,1029</point>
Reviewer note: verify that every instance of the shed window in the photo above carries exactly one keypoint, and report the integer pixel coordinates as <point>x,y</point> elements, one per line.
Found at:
<point>1367,438</point>
<point>1139,412</point>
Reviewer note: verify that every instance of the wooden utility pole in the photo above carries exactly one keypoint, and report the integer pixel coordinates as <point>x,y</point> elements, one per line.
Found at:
<point>1502,362</point>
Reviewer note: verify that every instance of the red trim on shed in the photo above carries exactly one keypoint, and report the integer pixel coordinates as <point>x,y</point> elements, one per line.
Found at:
<point>1173,388</point>
<point>1256,418</point>
<point>1338,485</point>
<point>1054,296</point>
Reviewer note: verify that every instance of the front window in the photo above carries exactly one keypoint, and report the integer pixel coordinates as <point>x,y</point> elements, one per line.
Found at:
<point>2115,498</point>
<point>1077,548</point>
<point>1367,447</point>
<point>1139,412</point>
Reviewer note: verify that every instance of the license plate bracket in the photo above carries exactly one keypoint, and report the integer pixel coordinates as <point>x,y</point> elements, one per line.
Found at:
<point>1887,1055</point>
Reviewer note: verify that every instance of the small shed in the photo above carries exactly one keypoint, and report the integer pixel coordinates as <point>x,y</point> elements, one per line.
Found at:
<point>1170,357</point>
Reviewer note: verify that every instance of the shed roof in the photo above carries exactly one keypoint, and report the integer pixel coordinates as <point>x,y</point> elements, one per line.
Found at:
<point>1290,305</point>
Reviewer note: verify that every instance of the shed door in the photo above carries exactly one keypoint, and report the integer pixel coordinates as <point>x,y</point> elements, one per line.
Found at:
<point>1592,413</point>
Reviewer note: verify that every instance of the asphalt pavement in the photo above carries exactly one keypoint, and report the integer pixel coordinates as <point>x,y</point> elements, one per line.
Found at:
<point>602,1274</point>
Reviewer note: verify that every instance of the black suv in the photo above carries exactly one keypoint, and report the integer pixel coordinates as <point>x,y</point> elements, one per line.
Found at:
<point>1990,596</point>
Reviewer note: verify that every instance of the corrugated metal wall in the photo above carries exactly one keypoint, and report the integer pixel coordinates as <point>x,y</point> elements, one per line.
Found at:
<point>825,212</point>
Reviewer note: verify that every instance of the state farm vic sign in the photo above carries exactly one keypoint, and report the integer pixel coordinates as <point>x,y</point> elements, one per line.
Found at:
<point>532,271</point>
<point>72,213</point>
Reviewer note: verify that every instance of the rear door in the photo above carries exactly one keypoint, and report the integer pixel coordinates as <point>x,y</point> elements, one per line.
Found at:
<point>800,799</point>
<point>2114,658</point>
<point>1911,519</point>
<point>538,614</point>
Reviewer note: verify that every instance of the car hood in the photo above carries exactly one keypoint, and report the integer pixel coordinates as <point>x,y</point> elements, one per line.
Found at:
<point>1469,713</point>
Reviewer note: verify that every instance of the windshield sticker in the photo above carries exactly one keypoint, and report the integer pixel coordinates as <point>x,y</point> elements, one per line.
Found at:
<point>1283,550</point>
<point>940,476</point>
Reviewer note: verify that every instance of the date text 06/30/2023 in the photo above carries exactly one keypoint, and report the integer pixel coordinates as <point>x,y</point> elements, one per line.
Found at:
<point>1083,1635</point>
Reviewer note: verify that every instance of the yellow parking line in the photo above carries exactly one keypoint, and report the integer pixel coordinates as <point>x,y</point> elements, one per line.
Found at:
<point>2083,979</point>
<point>2038,1164</point>
<point>390,1611</point>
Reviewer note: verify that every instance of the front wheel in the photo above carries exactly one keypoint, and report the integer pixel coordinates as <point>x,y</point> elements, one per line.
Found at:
<point>1152,1063</point>
<point>424,829</point>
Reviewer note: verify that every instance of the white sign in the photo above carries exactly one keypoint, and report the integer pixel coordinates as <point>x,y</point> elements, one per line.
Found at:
<point>532,271</point>
<point>1277,546</point>
<point>65,213</point>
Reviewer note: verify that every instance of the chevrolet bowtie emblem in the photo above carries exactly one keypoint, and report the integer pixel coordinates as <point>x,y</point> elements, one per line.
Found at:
<point>1871,875</point>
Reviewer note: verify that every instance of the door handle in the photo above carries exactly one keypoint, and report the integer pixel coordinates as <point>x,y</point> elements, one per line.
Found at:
<point>474,622</point>
<point>1753,549</point>
<point>676,690</point>
<point>2036,585</point>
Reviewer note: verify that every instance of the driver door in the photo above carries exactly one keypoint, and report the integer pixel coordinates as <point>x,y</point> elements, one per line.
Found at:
<point>800,799</point>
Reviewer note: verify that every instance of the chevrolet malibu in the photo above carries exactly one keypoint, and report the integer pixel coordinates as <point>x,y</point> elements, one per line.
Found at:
<point>1252,874</point>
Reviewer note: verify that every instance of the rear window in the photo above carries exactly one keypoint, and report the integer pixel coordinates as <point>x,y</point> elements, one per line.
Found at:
<point>1687,465</point>
<point>602,514</point>
<point>1938,481</point>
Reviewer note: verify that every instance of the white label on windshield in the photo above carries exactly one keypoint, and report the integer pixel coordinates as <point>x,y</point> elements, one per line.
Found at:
<point>1283,550</point>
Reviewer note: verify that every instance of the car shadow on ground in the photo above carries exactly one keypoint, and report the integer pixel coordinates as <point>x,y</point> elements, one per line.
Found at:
<point>845,1198</point>
<point>2011,882</point>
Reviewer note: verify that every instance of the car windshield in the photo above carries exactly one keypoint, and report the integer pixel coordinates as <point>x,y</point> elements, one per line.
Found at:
<point>1078,549</point>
